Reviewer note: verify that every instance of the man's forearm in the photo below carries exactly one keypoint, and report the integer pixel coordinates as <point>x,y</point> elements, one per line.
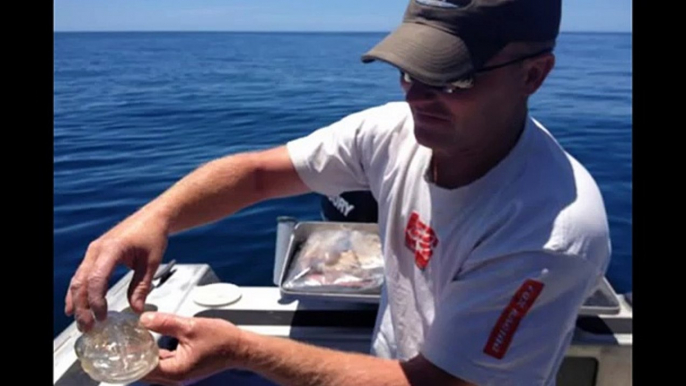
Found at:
<point>292,363</point>
<point>211,192</point>
<point>224,186</point>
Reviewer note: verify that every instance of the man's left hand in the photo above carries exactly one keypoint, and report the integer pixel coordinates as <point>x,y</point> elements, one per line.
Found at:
<point>206,347</point>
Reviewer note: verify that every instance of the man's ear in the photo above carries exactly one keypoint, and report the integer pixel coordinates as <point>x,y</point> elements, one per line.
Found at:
<point>537,71</point>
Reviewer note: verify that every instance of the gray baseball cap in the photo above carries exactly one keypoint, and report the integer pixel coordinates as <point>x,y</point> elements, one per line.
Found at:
<point>440,41</point>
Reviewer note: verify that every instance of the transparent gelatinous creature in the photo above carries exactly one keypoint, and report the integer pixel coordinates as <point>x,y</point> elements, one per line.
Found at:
<point>117,350</point>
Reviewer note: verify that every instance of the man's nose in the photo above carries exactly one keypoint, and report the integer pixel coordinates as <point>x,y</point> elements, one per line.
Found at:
<point>416,92</point>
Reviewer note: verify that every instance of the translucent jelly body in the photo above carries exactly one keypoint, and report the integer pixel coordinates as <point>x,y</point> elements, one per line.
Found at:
<point>117,350</point>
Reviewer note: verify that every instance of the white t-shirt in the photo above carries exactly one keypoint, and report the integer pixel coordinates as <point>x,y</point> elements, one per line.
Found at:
<point>485,280</point>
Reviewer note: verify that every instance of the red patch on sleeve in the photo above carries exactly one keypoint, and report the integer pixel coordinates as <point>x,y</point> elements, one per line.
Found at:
<point>503,331</point>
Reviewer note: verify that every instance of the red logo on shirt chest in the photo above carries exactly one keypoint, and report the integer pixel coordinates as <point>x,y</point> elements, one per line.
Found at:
<point>420,239</point>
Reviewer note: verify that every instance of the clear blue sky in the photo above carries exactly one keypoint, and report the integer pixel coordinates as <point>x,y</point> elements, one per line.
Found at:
<point>290,15</point>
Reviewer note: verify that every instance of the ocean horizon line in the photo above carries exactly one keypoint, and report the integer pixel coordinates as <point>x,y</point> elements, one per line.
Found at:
<point>291,31</point>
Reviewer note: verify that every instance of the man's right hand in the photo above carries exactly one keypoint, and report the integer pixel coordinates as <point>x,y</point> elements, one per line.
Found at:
<point>210,193</point>
<point>138,242</point>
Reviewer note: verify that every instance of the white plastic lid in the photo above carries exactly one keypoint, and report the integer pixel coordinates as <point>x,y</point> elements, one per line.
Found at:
<point>216,294</point>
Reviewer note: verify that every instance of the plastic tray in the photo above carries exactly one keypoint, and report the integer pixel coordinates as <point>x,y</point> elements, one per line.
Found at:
<point>300,234</point>
<point>603,301</point>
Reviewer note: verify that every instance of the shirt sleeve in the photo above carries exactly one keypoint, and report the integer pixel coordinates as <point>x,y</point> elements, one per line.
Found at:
<point>510,320</point>
<point>330,160</point>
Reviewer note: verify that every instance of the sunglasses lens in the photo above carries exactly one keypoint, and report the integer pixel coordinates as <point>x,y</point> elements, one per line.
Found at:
<point>462,83</point>
<point>448,89</point>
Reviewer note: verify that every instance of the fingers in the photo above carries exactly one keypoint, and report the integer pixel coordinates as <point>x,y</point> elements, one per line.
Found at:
<point>133,246</point>
<point>168,324</point>
<point>169,370</point>
<point>98,280</point>
<point>159,374</point>
<point>165,354</point>
<point>141,283</point>
<point>68,304</point>
<point>77,297</point>
<point>86,295</point>
<point>159,377</point>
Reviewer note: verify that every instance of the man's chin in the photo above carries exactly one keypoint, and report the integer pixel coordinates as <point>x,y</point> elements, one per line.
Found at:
<point>432,136</point>
<point>427,140</point>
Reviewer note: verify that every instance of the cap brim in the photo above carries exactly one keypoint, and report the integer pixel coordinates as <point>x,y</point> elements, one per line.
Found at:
<point>429,54</point>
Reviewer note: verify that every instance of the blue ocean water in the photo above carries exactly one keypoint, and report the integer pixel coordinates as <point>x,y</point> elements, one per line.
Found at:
<point>134,112</point>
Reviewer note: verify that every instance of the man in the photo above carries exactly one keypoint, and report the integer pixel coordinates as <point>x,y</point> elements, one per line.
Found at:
<point>493,235</point>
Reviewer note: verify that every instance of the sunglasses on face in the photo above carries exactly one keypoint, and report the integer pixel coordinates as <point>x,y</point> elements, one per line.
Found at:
<point>468,81</point>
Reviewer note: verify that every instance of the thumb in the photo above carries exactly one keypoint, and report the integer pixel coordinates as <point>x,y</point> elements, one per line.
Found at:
<point>166,324</point>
